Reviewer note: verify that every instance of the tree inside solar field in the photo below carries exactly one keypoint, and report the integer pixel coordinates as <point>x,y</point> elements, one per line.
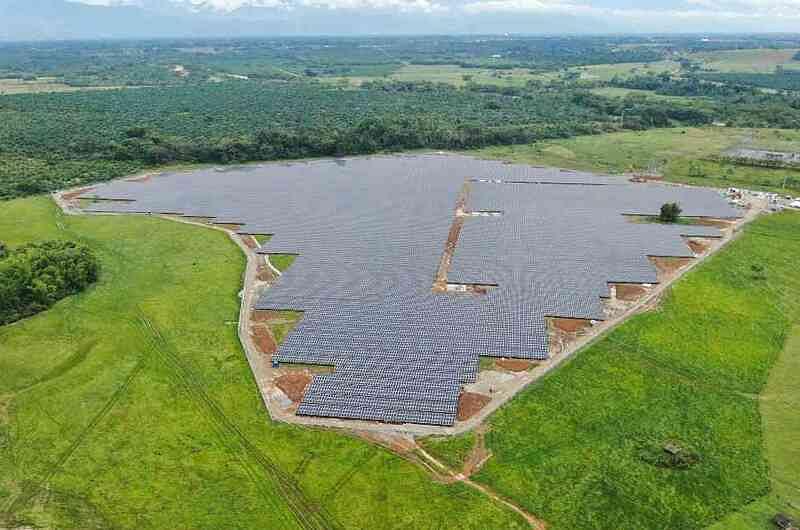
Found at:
<point>670,212</point>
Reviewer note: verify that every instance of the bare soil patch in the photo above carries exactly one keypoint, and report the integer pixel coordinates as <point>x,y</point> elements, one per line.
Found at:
<point>667,267</point>
<point>250,242</point>
<point>72,195</point>
<point>470,403</point>
<point>710,221</point>
<point>264,316</point>
<point>698,246</point>
<point>570,325</point>
<point>264,340</point>
<point>294,385</point>
<point>630,292</point>
<point>514,365</point>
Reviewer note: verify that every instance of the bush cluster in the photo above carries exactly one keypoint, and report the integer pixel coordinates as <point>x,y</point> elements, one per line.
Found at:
<point>35,276</point>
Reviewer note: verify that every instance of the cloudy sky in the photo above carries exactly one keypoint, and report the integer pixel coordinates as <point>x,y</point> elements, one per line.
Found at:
<point>425,16</point>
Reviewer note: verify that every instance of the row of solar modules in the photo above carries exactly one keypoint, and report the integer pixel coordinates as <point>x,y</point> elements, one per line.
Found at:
<point>372,413</point>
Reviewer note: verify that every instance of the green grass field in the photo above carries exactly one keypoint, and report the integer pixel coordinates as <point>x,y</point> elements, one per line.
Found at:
<point>606,72</point>
<point>680,154</point>
<point>779,404</point>
<point>747,61</point>
<point>576,448</point>
<point>131,405</point>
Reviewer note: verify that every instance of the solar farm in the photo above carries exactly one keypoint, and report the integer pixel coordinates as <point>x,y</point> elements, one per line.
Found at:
<point>400,308</point>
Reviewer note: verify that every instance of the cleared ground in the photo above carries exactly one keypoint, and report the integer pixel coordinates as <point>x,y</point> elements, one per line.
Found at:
<point>132,406</point>
<point>679,154</point>
<point>582,448</point>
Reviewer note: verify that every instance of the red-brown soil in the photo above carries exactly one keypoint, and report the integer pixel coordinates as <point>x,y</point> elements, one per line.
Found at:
<point>697,246</point>
<point>514,365</point>
<point>75,194</point>
<point>470,403</point>
<point>263,316</point>
<point>666,267</point>
<point>710,221</point>
<point>570,325</point>
<point>294,385</point>
<point>630,292</point>
<point>263,340</point>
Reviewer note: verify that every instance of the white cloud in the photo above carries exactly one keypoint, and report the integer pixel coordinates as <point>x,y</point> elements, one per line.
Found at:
<point>710,10</point>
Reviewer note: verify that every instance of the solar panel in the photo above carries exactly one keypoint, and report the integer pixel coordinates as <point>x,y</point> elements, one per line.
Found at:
<point>370,233</point>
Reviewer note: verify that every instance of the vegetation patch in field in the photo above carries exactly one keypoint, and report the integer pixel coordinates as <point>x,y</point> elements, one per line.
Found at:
<point>35,276</point>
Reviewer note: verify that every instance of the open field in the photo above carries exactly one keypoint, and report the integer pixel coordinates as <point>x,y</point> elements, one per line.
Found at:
<point>779,404</point>
<point>131,405</point>
<point>19,86</point>
<point>451,74</point>
<point>581,448</point>
<point>606,72</point>
<point>680,154</point>
<point>748,61</point>
<point>619,92</point>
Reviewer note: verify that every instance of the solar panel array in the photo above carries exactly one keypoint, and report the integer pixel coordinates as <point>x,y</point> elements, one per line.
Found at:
<point>370,233</point>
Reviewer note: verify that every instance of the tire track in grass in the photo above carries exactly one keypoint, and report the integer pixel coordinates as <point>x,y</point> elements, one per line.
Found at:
<point>308,514</point>
<point>29,492</point>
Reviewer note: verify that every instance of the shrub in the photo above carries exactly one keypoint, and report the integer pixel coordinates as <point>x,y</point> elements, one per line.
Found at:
<point>37,275</point>
<point>670,212</point>
<point>3,250</point>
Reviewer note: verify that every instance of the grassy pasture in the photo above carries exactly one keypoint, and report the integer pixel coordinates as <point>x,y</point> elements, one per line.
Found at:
<point>131,405</point>
<point>748,61</point>
<point>779,404</point>
<point>576,449</point>
<point>680,154</point>
<point>20,86</point>
<point>606,72</point>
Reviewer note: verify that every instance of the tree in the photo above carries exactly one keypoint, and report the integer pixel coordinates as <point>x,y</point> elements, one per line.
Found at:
<point>3,251</point>
<point>670,212</point>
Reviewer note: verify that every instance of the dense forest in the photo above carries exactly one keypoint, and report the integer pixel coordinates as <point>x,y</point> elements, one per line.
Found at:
<point>235,100</point>
<point>55,140</point>
<point>35,276</point>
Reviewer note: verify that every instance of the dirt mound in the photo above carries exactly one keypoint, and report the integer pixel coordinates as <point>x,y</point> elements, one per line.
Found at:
<point>294,385</point>
<point>470,403</point>
<point>263,340</point>
<point>514,365</point>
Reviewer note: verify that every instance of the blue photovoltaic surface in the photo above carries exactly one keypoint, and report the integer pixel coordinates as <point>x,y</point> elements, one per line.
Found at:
<point>370,233</point>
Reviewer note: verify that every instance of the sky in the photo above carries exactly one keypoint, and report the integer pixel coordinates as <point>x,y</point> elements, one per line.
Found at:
<point>41,19</point>
<point>712,10</point>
